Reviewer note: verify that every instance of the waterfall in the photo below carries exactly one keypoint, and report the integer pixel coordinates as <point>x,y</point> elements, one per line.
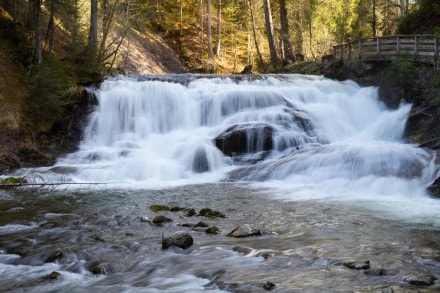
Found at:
<point>291,129</point>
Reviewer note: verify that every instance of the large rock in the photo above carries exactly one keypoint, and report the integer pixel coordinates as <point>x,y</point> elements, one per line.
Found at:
<point>243,139</point>
<point>244,231</point>
<point>180,239</point>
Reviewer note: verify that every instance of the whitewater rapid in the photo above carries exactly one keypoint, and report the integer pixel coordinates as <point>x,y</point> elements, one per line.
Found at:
<point>319,137</point>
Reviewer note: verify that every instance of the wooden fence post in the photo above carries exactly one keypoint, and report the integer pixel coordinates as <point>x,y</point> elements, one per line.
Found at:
<point>398,45</point>
<point>361,44</point>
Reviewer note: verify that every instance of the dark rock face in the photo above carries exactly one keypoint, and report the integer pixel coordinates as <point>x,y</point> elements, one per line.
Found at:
<point>179,239</point>
<point>434,189</point>
<point>241,139</point>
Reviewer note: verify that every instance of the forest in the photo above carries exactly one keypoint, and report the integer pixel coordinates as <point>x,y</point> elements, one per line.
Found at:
<point>220,36</point>
<point>49,49</point>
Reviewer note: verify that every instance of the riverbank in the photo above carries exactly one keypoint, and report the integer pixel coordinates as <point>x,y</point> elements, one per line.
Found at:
<point>99,240</point>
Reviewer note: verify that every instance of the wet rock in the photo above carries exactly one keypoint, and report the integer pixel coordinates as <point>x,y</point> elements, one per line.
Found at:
<point>244,231</point>
<point>206,212</point>
<point>243,139</point>
<point>375,272</point>
<point>180,239</point>
<point>145,220</point>
<point>201,225</point>
<point>188,225</point>
<point>214,230</point>
<point>190,213</point>
<point>177,209</point>
<point>98,238</point>
<point>269,286</point>
<point>56,255</point>
<point>434,189</point>
<point>266,254</point>
<point>157,208</point>
<point>242,250</point>
<point>161,219</point>
<point>420,277</point>
<point>97,269</point>
<point>52,276</point>
<point>357,265</point>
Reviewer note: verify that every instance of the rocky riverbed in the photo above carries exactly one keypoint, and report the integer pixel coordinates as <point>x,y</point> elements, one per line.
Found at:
<point>107,240</point>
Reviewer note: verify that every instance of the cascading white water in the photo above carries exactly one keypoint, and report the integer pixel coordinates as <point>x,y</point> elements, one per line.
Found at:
<point>298,130</point>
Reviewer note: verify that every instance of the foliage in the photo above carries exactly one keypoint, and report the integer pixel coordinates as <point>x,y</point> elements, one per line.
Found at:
<point>425,19</point>
<point>13,180</point>
<point>403,71</point>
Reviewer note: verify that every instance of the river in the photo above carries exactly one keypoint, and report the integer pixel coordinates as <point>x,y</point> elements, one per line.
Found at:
<point>319,167</point>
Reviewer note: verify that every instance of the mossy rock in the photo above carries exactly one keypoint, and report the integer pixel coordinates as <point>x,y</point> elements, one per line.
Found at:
<point>157,208</point>
<point>201,225</point>
<point>214,230</point>
<point>177,209</point>
<point>190,212</point>
<point>161,219</point>
<point>206,212</point>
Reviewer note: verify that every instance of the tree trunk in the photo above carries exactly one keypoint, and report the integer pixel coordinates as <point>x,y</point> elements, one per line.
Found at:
<point>284,22</point>
<point>209,32</point>
<point>269,32</point>
<point>50,27</point>
<point>219,27</point>
<point>373,23</point>
<point>93,31</point>
<point>37,33</point>
<point>254,30</point>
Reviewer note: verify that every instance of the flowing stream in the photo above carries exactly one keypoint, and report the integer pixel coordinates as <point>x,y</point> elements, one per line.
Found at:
<point>319,166</point>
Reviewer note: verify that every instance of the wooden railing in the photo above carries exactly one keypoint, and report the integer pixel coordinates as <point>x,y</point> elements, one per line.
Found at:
<point>421,47</point>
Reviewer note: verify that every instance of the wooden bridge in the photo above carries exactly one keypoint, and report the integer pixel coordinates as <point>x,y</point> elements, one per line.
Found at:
<point>424,48</point>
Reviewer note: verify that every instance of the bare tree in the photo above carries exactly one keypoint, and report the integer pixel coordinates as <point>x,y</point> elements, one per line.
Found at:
<point>269,32</point>
<point>284,21</point>
<point>254,31</point>
<point>38,49</point>
<point>209,32</point>
<point>219,27</point>
<point>93,30</point>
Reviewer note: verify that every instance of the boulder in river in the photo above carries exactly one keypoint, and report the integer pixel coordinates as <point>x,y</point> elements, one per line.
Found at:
<point>207,212</point>
<point>357,265</point>
<point>161,219</point>
<point>55,255</point>
<point>158,207</point>
<point>243,139</point>
<point>180,239</point>
<point>420,277</point>
<point>244,231</point>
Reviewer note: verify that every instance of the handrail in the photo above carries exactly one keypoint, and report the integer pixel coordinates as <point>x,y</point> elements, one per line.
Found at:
<point>422,47</point>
